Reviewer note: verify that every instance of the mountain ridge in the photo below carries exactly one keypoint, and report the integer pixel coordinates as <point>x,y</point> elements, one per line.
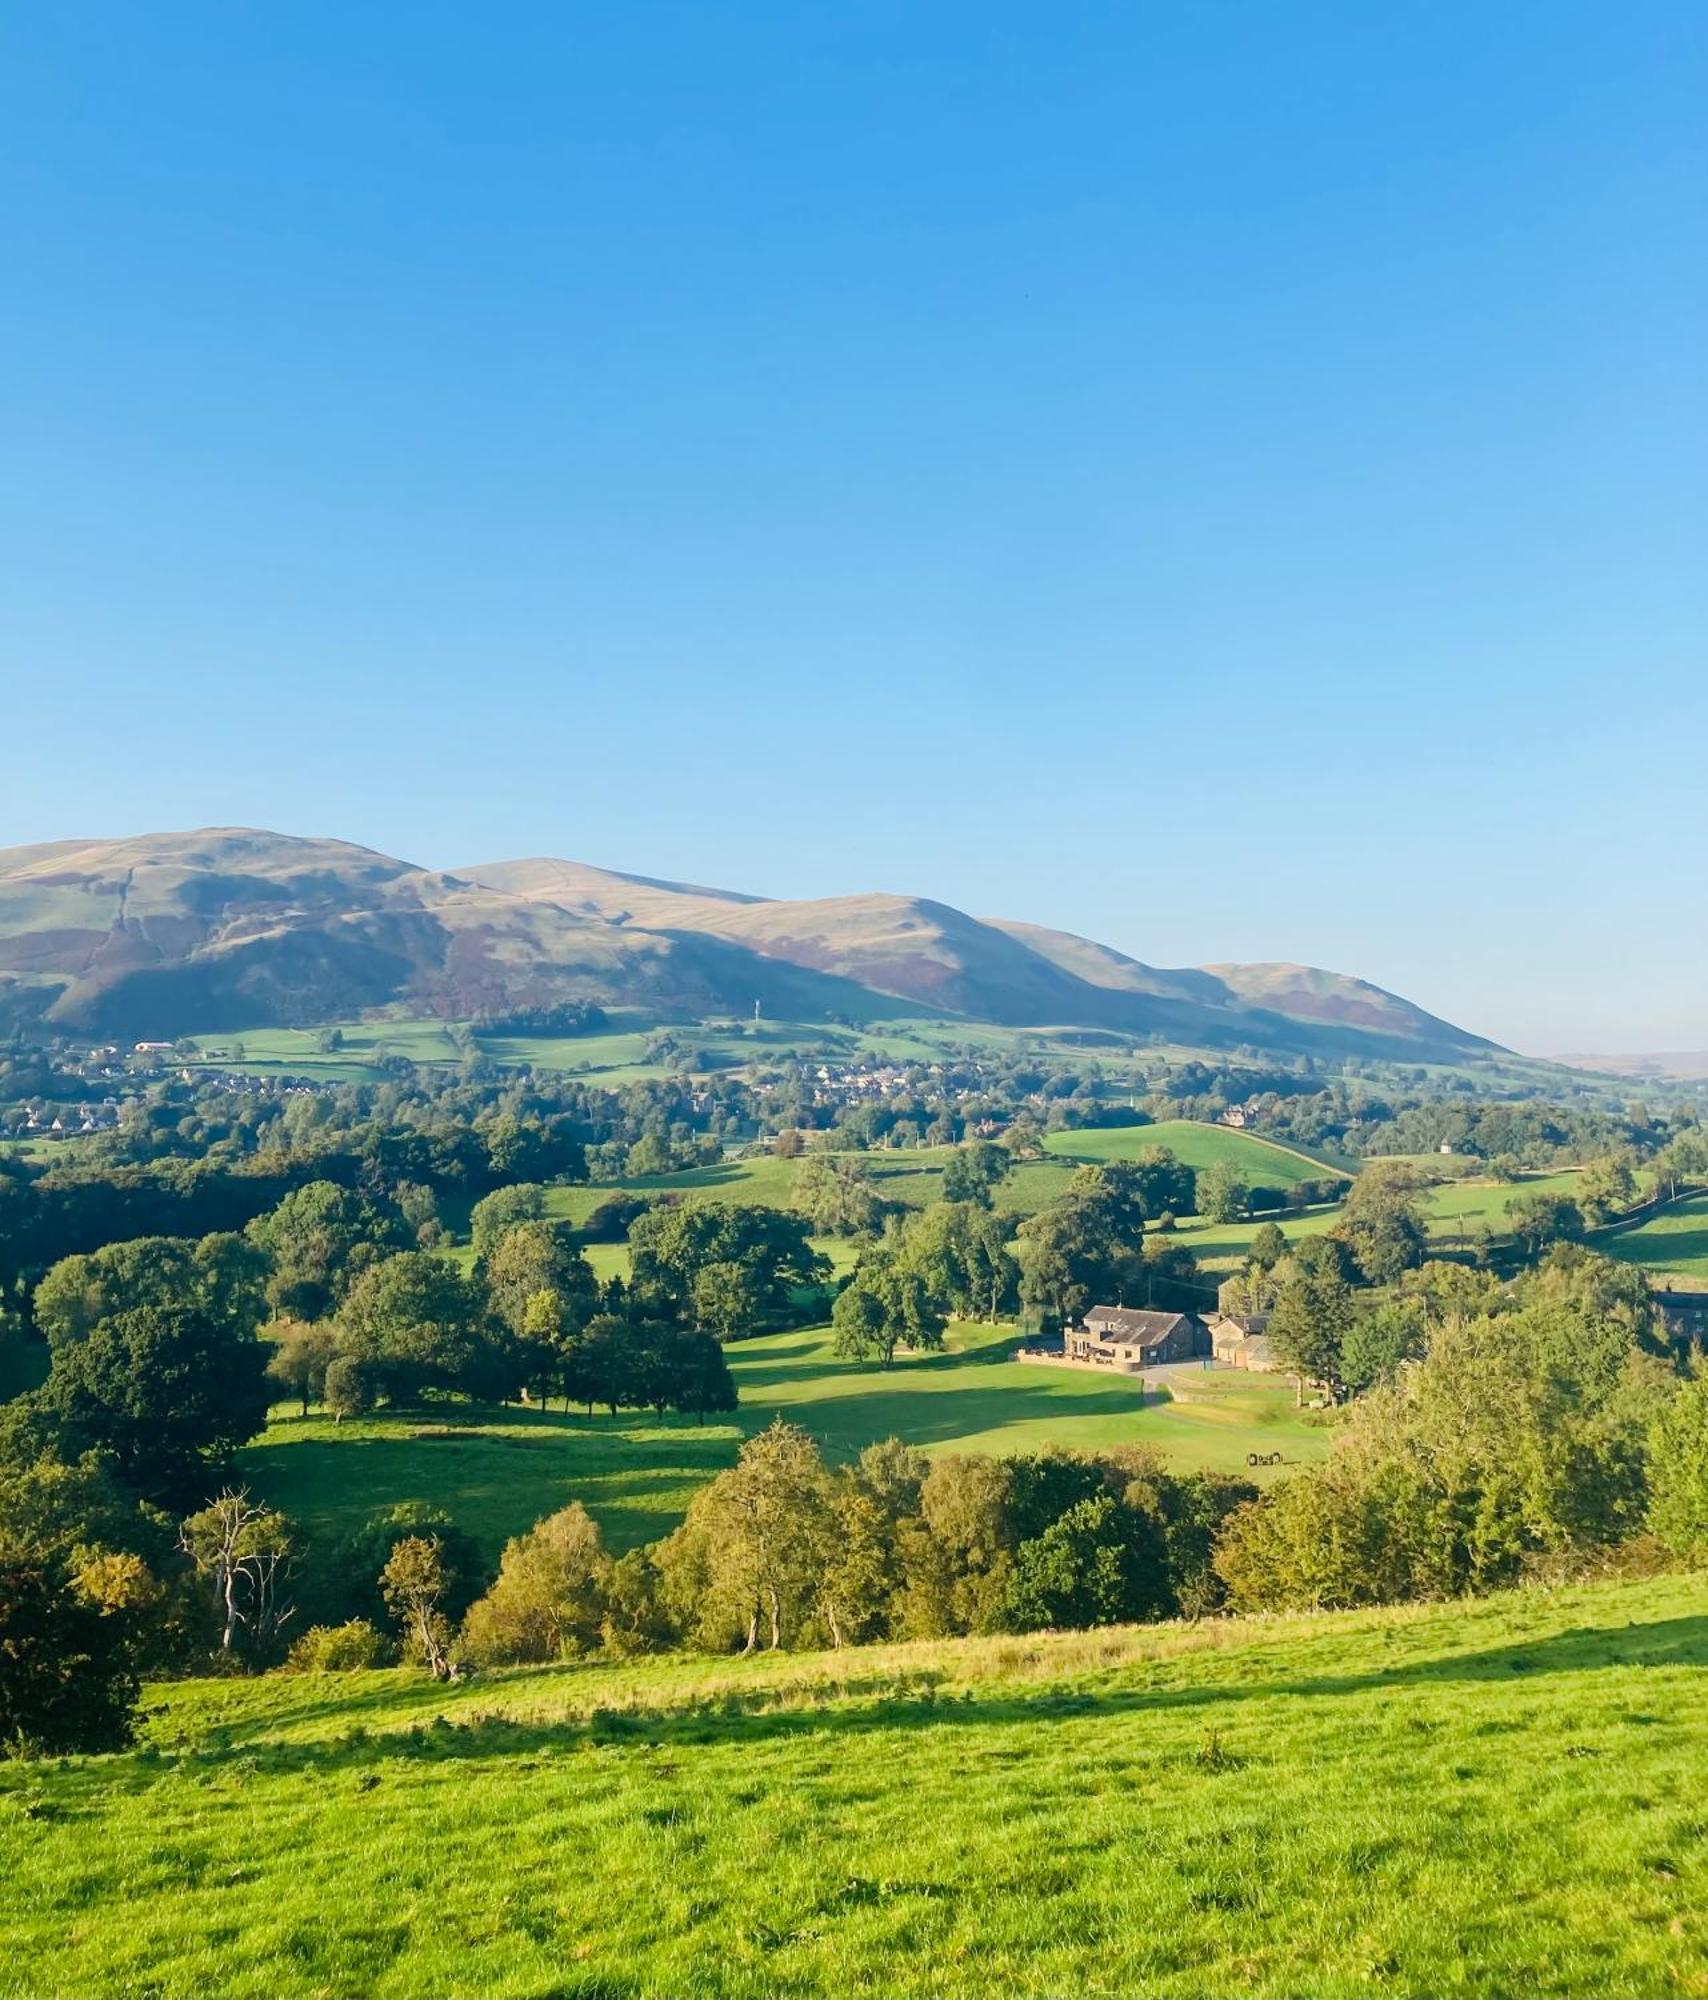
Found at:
<point>226,927</point>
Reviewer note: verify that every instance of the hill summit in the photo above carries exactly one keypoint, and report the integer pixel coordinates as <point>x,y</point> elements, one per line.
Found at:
<point>231,927</point>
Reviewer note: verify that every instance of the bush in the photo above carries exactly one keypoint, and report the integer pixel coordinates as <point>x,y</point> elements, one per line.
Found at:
<point>548,1601</point>
<point>610,1221</point>
<point>66,1681</point>
<point>338,1649</point>
<point>349,1389</point>
<point>351,1584</point>
<point>1678,1471</point>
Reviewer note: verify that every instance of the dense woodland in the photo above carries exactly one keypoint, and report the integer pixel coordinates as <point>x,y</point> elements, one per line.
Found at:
<point>390,1246</point>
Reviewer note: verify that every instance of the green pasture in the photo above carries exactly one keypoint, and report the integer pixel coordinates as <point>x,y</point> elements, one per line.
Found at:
<point>912,1175</point>
<point>1222,1247</point>
<point>977,1398</point>
<point>1674,1240</point>
<point>618,1054</point>
<point>594,1055</point>
<point>1459,1205</point>
<point>1263,1162</point>
<point>39,1152</point>
<point>498,1471</point>
<point>614,1056</point>
<point>1484,1799</point>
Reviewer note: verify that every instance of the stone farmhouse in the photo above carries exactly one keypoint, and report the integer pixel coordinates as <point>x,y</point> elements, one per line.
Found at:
<point>1241,1340</point>
<point>1128,1340</point>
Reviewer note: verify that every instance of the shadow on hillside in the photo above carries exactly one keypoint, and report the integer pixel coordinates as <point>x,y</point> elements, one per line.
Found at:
<point>766,1347</point>
<point>382,1471</point>
<point>886,1699</point>
<point>925,1418</point>
<point>685,1181</point>
<point>1669,1249</point>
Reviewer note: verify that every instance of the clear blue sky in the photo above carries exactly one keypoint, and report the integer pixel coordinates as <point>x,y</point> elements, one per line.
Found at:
<point>1231,479</point>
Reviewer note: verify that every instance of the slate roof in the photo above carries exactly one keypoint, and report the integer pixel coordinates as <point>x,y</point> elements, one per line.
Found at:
<point>1133,1327</point>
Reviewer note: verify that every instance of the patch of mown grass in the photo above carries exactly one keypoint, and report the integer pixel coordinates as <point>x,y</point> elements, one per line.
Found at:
<point>1488,1799</point>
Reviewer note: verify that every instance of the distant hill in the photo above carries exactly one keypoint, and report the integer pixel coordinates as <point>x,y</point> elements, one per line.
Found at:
<point>230,927</point>
<point>1672,1065</point>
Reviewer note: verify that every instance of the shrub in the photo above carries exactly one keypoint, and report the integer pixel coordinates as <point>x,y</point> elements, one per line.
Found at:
<point>66,1682</point>
<point>338,1649</point>
<point>548,1601</point>
<point>349,1388</point>
<point>1678,1471</point>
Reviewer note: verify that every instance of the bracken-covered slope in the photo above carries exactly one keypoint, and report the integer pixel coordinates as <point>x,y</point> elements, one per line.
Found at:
<point>230,927</point>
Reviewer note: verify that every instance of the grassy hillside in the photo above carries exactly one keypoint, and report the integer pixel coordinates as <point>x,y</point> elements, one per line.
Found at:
<point>498,1471</point>
<point>1496,1798</point>
<point>612,1057</point>
<point>1457,1205</point>
<point>1675,1240</point>
<point>912,1175</point>
<point>1264,1162</point>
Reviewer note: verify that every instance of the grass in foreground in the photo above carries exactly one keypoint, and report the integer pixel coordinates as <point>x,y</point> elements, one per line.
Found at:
<point>1500,1798</point>
<point>497,1471</point>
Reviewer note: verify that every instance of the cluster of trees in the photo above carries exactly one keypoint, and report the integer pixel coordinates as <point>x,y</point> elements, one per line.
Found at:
<point>1090,1247</point>
<point>558,1017</point>
<point>324,1297</point>
<point>951,1260</point>
<point>959,1258</point>
<point>784,1551</point>
<point>1503,1425</point>
<point>97,1589</point>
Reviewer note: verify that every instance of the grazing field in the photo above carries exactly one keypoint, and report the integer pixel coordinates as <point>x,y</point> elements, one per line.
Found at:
<point>618,1054</point>
<point>1263,1162</point>
<point>39,1152</point>
<point>1674,1240</point>
<point>1221,1247</point>
<point>1457,1206</point>
<point>497,1471</point>
<point>976,1398</point>
<point>1488,1799</point>
<point>912,1175</point>
<point>614,1057</point>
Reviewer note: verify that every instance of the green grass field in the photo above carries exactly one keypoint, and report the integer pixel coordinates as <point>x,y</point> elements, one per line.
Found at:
<point>1263,1162</point>
<point>40,1152</point>
<point>497,1471</point>
<point>614,1057</point>
<point>914,1175</point>
<point>1675,1240</point>
<point>911,1175</point>
<point>1502,1798</point>
<point>1221,1247</point>
<point>1457,1206</point>
<point>617,1055</point>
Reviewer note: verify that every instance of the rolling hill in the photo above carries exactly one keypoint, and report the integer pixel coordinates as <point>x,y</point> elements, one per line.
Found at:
<point>231,927</point>
<point>1487,1797</point>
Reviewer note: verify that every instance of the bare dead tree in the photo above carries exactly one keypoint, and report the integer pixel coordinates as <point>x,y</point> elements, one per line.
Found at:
<point>244,1553</point>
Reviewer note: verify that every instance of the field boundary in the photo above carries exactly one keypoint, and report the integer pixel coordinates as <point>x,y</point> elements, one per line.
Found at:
<point>1636,1218</point>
